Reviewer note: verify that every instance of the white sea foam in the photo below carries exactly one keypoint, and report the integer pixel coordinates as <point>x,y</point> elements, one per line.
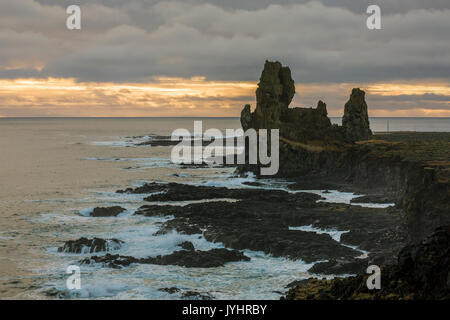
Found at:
<point>95,288</point>
<point>187,202</point>
<point>373,205</point>
<point>333,233</point>
<point>258,278</point>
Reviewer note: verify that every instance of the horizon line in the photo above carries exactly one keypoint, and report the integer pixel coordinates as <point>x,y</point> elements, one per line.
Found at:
<point>185,117</point>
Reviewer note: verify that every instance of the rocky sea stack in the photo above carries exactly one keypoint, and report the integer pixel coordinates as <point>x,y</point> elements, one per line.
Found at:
<point>355,121</point>
<point>275,92</point>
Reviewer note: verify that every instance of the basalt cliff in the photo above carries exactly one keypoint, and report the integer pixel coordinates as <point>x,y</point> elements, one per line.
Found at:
<point>410,169</point>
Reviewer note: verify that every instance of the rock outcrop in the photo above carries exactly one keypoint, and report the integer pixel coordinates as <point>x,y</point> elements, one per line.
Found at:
<point>184,258</point>
<point>275,92</point>
<point>273,96</point>
<point>411,168</point>
<point>422,272</point>
<point>262,220</point>
<point>85,245</point>
<point>107,212</point>
<point>355,121</point>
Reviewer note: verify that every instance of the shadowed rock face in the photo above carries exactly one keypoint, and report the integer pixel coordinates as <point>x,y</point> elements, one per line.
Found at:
<point>355,121</point>
<point>421,272</point>
<point>273,96</point>
<point>306,125</point>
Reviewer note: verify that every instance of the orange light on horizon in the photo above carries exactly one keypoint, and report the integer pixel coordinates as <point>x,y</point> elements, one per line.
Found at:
<point>197,96</point>
<point>393,89</point>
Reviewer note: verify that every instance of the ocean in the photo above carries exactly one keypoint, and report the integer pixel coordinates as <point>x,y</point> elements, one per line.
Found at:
<point>54,171</point>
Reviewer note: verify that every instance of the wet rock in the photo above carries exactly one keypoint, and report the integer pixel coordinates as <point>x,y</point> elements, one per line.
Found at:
<point>114,261</point>
<point>262,224</point>
<point>194,295</point>
<point>189,259</point>
<point>107,212</point>
<point>170,290</point>
<point>355,122</point>
<point>184,192</point>
<point>375,198</point>
<point>253,183</point>
<point>187,245</point>
<point>198,259</point>
<point>85,245</point>
<point>340,266</point>
<point>297,283</point>
<point>158,141</point>
<point>146,188</point>
<point>421,272</point>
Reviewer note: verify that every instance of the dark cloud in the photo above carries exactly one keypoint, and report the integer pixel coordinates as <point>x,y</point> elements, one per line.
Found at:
<point>412,97</point>
<point>139,40</point>
<point>357,6</point>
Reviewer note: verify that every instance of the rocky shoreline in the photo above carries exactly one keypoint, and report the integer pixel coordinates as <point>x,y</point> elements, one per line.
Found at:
<point>410,169</point>
<point>404,178</point>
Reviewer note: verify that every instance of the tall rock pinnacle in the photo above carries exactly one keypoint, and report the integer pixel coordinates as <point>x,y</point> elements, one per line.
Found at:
<point>273,96</point>
<point>355,122</point>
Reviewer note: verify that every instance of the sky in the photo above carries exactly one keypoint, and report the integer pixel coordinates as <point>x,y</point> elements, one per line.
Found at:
<point>204,57</point>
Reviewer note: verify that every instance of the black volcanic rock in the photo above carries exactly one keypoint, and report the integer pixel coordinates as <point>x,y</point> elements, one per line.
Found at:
<point>198,259</point>
<point>194,295</point>
<point>111,260</point>
<point>246,117</point>
<point>422,271</point>
<point>303,125</point>
<point>355,121</point>
<point>187,245</point>
<point>107,211</point>
<point>170,290</point>
<point>261,223</point>
<point>83,245</point>
<point>184,258</point>
<point>185,192</point>
<point>274,94</point>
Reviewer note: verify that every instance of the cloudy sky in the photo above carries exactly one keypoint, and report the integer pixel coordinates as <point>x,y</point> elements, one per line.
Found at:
<point>204,57</point>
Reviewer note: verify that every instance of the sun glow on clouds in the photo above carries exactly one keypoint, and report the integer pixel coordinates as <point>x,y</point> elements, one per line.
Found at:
<point>165,97</point>
<point>392,89</point>
<point>200,97</point>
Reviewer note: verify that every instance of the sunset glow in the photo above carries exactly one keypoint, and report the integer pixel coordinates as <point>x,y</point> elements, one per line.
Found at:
<point>199,97</point>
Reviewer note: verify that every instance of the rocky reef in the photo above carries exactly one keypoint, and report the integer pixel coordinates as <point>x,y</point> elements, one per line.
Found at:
<point>107,211</point>
<point>294,225</point>
<point>422,271</point>
<point>185,258</point>
<point>85,245</point>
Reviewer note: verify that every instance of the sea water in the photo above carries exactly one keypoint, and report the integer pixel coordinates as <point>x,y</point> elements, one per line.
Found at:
<point>54,171</point>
